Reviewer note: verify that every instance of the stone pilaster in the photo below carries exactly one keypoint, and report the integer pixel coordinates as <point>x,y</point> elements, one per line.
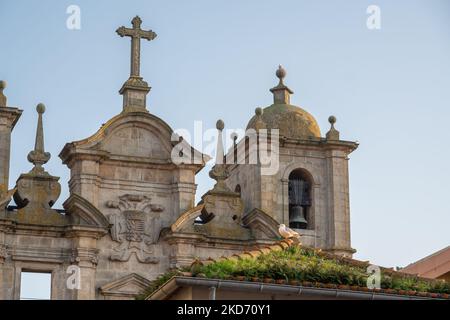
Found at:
<point>85,256</point>
<point>8,119</point>
<point>338,203</point>
<point>184,191</point>
<point>84,177</point>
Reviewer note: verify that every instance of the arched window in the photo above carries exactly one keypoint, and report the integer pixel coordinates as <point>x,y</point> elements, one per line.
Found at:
<point>238,189</point>
<point>299,199</point>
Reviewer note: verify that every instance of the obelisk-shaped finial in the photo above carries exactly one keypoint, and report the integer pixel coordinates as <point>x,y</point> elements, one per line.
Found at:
<point>37,191</point>
<point>38,156</point>
<point>220,171</point>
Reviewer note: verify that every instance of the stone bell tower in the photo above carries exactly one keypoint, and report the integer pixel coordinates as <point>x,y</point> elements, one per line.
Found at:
<point>8,119</point>
<point>309,188</point>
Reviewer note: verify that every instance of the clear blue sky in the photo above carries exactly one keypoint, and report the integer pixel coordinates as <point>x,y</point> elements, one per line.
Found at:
<point>389,89</point>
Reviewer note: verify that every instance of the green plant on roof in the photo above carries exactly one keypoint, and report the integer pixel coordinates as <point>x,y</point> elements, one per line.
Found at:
<point>302,264</point>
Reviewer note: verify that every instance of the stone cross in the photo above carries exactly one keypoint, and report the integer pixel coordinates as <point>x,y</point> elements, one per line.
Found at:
<point>136,34</point>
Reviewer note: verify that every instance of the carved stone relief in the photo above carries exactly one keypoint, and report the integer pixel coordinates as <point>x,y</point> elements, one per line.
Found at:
<point>135,227</point>
<point>135,141</point>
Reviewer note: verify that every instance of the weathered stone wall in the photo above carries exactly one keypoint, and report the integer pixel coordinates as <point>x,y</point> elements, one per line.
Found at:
<point>249,179</point>
<point>37,249</point>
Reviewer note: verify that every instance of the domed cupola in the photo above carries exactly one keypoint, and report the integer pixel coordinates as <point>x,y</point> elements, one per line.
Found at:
<point>292,121</point>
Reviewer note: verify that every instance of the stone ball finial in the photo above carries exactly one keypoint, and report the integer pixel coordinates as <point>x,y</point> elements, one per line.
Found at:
<point>2,84</point>
<point>332,134</point>
<point>40,108</point>
<point>220,125</point>
<point>332,120</point>
<point>259,111</point>
<point>234,136</point>
<point>281,73</point>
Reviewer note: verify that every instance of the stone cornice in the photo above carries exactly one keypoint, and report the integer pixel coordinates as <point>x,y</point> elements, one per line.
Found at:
<point>39,254</point>
<point>12,115</point>
<point>320,143</point>
<point>72,153</point>
<point>314,144</point>
<point>70,231</point>
<point>77,231</point>
<point>202,240</point>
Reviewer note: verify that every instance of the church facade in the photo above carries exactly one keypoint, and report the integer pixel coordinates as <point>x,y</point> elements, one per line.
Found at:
<point>131,213</point>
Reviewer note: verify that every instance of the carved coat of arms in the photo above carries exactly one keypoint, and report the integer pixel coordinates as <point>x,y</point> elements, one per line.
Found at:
<point>135,227</point>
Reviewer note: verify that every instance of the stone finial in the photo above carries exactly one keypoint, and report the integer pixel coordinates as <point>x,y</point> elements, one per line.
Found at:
<point>259,122</point>
<point>280,73</point>
<point>37,190</point>
<point>234,137</point>
<point>38,156</point>
<point>3,99</point>
<point>220,125</point>
<point>281,93</point>
<point>222,208</point>
<point>332,134</point>
<point>220,171</point>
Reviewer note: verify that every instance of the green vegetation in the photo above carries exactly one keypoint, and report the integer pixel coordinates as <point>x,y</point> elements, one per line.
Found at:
<point>302,264</point>
<point>299,264</point>
<point>157,283</point>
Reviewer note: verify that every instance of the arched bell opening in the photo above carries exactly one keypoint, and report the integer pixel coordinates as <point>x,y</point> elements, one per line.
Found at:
<point>300,199</point>
<point>237,189</point>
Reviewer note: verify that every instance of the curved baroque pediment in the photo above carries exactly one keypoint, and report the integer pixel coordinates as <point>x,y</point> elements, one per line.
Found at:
<point>131,134</point>
<point>136,141</point>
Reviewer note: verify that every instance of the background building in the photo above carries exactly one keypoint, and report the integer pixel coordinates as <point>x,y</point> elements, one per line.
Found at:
<point>434,266</point>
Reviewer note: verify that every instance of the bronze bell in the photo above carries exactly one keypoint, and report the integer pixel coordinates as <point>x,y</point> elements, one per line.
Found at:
<point>297,218</point>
